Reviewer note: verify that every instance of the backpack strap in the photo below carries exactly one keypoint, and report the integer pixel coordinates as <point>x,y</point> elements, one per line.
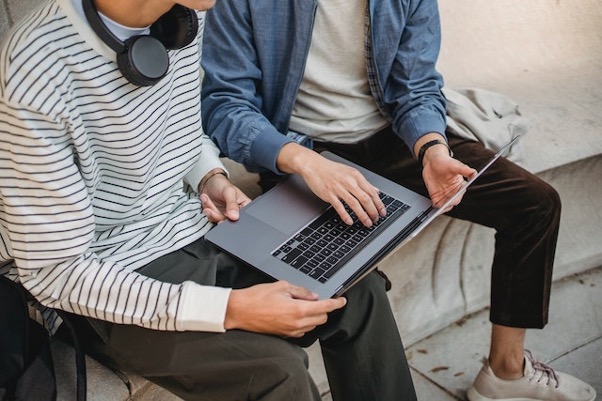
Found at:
<point>26,365</point>
<point>80,357</point>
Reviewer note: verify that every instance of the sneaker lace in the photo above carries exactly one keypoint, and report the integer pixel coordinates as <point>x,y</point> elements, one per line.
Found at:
<point>544,371</point>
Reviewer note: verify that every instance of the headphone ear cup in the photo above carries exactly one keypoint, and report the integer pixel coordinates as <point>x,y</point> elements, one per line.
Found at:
<point>177,28</point>
<point>145,60</point>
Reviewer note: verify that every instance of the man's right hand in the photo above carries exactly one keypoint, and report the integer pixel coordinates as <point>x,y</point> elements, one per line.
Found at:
<point>278,308</point>
<point>334,183</point>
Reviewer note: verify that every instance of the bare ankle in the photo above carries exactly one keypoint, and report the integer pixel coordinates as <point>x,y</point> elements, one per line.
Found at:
<point>507,368</point>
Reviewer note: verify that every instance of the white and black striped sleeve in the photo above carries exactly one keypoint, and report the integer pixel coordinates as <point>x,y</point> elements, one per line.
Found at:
<point>48,222</point>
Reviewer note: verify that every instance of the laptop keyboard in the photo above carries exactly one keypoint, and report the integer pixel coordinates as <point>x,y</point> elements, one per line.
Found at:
<point>324,245</point>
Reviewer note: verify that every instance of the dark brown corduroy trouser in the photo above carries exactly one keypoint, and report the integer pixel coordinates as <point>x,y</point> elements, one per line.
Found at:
<point>523,209</point>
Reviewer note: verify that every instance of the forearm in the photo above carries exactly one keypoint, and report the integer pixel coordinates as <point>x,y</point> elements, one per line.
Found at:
<point>107,291</point>
<point>233,103</point>
<point>207,162</point>
<point>413,86</point>
<point>102,290</point>
<point>242,133</point>
<point>295,159</point>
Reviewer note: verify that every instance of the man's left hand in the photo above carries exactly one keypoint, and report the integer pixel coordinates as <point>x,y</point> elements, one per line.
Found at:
<point>443,176</point>
<point>221,199</point>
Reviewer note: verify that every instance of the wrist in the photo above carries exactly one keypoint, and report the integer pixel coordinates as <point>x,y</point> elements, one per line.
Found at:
<point>432,147</point>
<point>211,174</point>
<point>292,158</point>
<point>230,320</point>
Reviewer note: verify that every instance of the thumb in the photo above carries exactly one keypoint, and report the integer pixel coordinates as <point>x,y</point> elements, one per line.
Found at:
<point>465,170</point>
<point>232,206</point>
<point>297,292</point>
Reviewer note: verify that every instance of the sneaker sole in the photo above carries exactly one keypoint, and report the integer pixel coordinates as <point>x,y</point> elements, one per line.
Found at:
<point>473,395</point>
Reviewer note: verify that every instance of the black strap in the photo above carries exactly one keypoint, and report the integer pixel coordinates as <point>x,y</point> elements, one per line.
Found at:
<point>80,358</point>
<point>429,144</point>
<point>26,365</point>
<point>38,381</point>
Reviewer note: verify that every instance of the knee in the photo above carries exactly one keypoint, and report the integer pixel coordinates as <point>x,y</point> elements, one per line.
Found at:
<point>368,295</point>
<point>549,203</point>
<point>276,370</point>
<point>288,366</point>
<point>285,374</point>
<point>555,201</point>
<point>373,285</point>
<point>535,211</point>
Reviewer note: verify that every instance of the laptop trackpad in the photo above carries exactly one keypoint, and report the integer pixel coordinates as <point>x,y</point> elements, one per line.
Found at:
<point>287,209</point>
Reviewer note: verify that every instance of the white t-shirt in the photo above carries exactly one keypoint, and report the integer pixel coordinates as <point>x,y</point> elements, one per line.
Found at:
<point>334,102</point>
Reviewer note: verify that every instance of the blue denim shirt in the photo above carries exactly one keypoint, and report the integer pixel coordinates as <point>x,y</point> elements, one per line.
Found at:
<point>254,56</point>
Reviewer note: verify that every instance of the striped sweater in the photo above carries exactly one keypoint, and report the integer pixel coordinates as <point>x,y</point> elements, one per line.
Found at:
<point>95,175</point>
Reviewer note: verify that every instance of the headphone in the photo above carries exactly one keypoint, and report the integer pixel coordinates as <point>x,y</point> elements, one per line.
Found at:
<point>143,59</point>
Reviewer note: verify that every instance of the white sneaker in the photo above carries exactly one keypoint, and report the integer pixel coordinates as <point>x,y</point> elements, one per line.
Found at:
<point>539,383</point>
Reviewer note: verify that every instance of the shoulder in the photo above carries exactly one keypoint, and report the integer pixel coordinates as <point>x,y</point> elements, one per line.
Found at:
<point>31,44</point>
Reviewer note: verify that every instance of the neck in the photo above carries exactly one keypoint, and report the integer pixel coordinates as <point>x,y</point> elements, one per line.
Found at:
<point>134,13</point>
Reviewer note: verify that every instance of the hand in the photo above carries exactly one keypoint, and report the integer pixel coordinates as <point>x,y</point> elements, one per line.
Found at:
<point>334,183</point>
<point>444,175</point>
<point>278,308</point>
<point>221,199</point>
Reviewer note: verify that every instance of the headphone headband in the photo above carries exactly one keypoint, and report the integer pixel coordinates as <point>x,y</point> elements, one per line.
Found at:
<point>99,27</point>
<point>143,59</point>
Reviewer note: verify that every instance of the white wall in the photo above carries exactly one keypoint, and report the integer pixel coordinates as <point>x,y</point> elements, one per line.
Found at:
<point>511,39</point>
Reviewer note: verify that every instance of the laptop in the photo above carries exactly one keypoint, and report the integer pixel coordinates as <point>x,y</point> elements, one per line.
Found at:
<point>290,234</point>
